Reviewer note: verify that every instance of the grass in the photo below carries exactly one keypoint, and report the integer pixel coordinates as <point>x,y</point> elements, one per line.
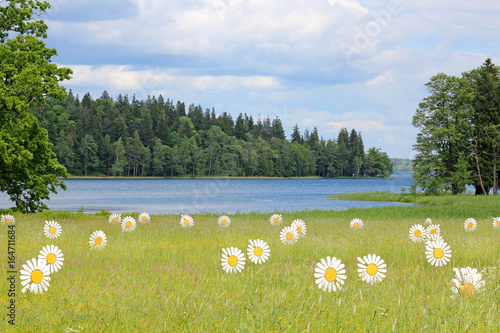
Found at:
<point>163,278</point>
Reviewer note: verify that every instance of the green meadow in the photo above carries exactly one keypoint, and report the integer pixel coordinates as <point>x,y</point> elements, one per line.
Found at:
<point>164,278</point>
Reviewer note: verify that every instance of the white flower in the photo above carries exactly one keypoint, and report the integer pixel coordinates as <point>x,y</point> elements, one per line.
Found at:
<point>186,221</point>
<point>224,221</point>
<point>8,220</point>
<point>233,260</point>
<point>300,226</point>
<point>467,282</point>
<point>115,218</point>
<point>128,224</point>
<point>330,274</point>
<point>53,257</point>
<point>438,253</point>
<point>144,218</point>
<point>258,251</point>
<point>289,235</point>
<point>496,222</point>
<point>356,224</point>
<point>371,269</point>
<point>52,229</point>
<point>98,240</point>
<point>417,233</point>
<point>35,276</point>
<point>275,219</point>
<point>470,224</point>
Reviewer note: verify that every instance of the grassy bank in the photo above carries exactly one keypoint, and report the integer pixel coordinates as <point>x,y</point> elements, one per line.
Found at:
<point>163,278</point>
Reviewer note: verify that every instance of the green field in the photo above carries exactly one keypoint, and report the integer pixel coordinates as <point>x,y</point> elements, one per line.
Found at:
<point>163,278</point>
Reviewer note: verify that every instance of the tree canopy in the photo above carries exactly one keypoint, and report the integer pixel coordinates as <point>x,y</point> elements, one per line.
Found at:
<point>156,137</point>
<point>459,137</point>
<point>27,77</point>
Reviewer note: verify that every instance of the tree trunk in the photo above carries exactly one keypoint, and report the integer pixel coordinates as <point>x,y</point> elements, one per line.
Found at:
<point>495,174</point>
<point>478,169</point>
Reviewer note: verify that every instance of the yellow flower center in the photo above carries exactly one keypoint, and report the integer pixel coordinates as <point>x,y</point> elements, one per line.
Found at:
<point>276,220</point>
<point>470,225</point>
<point>52,230</point>
<point>258,251</point>
<point>224,222</point>
<point>144,218</point>
<point>498,223</point>
<point>186,222</point>
<point>299,229</point>
<point>98,240</point>
<point>115,220</point>
<point>128,224</point>
<point>467,290</point>
<point>8,221</point>
<point>356,225</point>
<point>232,261</point>
<point>51,258</point>
<point>36,276</point>
<point>330,274</point>
<point>417,233</point>
<point>372,269</point>
<point>438,253</point>
<point>433,231</point>
<point>289,236</point>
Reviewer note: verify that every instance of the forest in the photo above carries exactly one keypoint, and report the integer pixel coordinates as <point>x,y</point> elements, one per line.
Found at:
<point>155,137</point>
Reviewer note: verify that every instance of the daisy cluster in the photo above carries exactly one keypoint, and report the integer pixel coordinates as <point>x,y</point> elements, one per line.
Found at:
<point>36,273</point>
<point>467,280</point>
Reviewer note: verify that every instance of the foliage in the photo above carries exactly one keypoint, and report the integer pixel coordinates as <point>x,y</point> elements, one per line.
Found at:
<point>459,138</point>
<point>155,137</point>
<point>27,76</point>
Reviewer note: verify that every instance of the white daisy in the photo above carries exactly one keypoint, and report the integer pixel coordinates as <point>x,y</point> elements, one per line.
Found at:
<point>128,224</point>
<point>52,229</point>
<point>330,274</point>
<point>275,219</point>
<point>467,282</point>
<point>35,276</point>
<point>438,253</point>
<point>300,226</point>
<point>144,218</point>
<point>258,251</point>
<point>98,240</point>
<point>289,235</point>
<point>8,220</point>
<point>371,269</point>
<point>186,221</point>
<point>233,260</point>
<point>470,224</point>
<point>496,222</point>
<point>433,229</point>
<point>115,218</point>
<point>356,224</point>
<point>417,233</point>
<point>433,238</point>
<point>428,222</point>
<point>53,257</point>
<point>224,221</point>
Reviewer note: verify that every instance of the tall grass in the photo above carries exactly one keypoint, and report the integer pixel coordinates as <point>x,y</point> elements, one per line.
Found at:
<point>163,278</point>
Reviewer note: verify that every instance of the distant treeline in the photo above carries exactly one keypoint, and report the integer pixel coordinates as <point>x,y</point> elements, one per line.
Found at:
<point>402,165</point>
<point>155,137</point>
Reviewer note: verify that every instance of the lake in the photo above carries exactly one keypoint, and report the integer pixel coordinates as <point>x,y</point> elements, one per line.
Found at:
<point>176,196</point>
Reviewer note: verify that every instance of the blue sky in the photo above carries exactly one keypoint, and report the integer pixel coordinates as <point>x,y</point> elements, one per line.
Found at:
<point>324,63</point>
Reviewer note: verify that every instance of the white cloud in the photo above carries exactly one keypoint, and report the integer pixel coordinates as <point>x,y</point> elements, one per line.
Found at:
<point>382,79</point>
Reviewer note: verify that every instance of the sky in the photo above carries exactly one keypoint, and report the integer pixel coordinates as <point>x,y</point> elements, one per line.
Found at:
<point>316,63</point>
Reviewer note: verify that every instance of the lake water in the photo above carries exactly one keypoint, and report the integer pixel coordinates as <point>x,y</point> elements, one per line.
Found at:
<point>176,196</point>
